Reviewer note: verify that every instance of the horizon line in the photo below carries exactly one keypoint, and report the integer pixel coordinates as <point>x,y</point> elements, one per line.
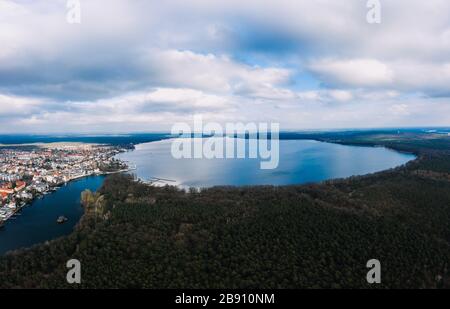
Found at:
<point>95,134</point>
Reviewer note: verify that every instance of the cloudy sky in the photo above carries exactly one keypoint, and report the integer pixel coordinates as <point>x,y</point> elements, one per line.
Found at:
<point>142,65</point>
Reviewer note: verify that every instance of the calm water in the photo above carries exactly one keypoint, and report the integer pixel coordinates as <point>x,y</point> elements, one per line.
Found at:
<point>301,161</point>
<point>37,222</point>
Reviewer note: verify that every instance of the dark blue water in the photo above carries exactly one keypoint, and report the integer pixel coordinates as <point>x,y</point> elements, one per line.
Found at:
<point>301,161</point>
<point>37,222</point>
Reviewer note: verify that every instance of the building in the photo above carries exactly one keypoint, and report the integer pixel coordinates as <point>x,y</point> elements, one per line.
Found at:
<point>3,196</point>
<point>20,185</point>
<point>6,189</point>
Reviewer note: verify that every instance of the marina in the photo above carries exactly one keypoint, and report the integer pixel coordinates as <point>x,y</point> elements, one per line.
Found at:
<point>37,221</point>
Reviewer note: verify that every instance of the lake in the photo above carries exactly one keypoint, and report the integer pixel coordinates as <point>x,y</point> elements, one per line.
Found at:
<point>37,223</point>
<point>301,161</point>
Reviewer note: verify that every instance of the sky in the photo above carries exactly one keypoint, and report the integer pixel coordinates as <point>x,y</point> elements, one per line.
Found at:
<point>143,65</point>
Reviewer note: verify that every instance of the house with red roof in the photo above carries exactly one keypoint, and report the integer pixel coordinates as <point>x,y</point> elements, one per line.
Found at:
<point>3,196</point>
<point>20,185</point>
<point>6,189</point>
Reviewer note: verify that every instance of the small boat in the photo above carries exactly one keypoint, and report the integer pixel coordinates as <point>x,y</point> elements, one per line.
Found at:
<point>61,220</point>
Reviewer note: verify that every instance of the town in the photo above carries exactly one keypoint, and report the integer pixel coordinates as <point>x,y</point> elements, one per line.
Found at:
<point>30,172</point>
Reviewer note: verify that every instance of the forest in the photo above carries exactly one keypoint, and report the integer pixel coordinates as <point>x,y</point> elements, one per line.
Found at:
<point>321,235</point>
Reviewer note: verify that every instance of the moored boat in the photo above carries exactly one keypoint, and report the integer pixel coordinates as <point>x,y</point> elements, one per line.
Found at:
<point>61,219</point>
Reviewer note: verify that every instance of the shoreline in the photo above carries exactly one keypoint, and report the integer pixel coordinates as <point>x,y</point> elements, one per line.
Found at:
<point>127,163</point>
<point>36,223</point>
<point>53,189</point>
<point>160,182</point>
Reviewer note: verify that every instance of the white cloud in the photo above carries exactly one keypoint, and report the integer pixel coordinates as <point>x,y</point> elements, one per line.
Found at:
<point>136,65</point>
<point>399,109</point>
<point>356,72</point>
<point>426,77</point>
<point>341,95</point>
<point>160,100</point>
<point>13,105</point>
<point>160,106</point>
<point>209,72</point>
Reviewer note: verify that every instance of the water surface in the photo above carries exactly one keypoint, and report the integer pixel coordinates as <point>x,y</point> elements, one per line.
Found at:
<point>301,161</point>
<point>37,223</point>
